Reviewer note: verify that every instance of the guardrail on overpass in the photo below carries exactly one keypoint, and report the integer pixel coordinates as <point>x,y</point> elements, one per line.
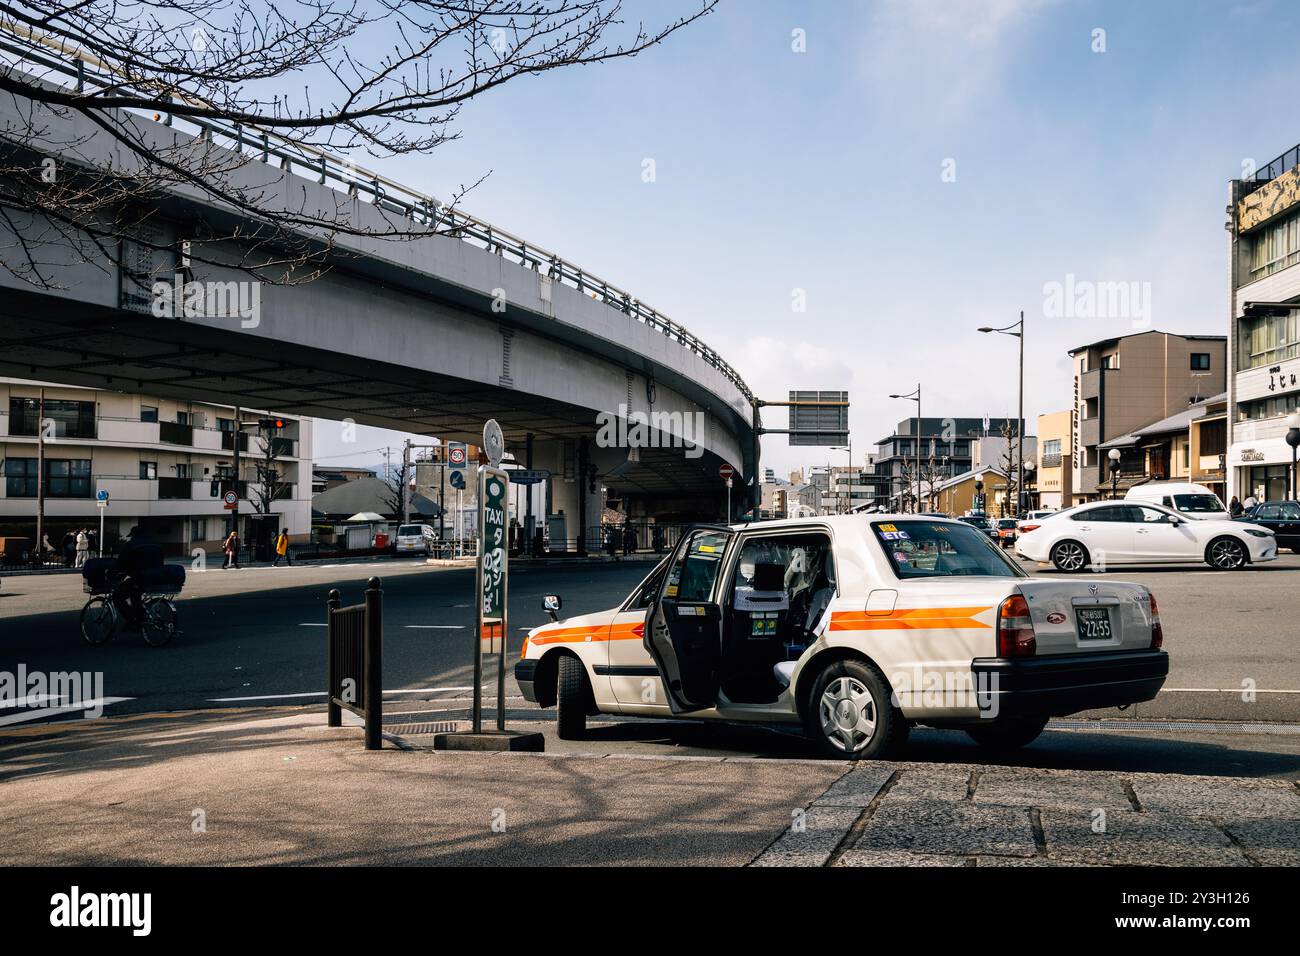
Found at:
<point>385,194</point>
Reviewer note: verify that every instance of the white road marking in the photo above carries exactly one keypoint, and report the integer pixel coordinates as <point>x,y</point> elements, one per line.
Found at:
<point>96,702</point>
<point>434,627</point>
<point>314,624</point>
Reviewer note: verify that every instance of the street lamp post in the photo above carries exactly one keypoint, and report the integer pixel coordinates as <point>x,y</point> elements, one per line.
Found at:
<point>916,397</point>
<point>1113,455</point>
<point>1293,439</point>
<point>1019,333</point>
<point>979,495</point>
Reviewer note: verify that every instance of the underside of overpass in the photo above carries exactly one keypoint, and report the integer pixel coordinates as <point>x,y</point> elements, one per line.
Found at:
<point>66,342</point>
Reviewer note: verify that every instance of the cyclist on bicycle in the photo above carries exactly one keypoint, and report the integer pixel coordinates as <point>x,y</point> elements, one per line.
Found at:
<point>139,552</point>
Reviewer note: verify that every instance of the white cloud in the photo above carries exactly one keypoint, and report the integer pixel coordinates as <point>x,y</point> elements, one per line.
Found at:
<point>936,58</point>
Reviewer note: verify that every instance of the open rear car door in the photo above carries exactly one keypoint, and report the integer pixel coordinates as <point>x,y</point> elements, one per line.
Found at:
<point>683,628</point>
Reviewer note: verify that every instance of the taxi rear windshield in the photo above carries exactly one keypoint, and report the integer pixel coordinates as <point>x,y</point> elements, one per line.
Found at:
<point>938,549</point>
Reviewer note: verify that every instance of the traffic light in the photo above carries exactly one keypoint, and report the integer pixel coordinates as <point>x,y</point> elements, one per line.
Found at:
<point>270,424</point>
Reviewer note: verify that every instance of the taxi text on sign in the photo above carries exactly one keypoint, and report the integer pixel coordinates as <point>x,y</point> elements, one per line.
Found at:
<point>494,548</point>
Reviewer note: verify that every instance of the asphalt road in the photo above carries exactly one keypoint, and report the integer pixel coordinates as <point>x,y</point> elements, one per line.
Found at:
<point>256,637</point>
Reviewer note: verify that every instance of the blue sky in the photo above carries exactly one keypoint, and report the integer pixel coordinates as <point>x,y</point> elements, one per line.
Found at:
<point>824,171</point>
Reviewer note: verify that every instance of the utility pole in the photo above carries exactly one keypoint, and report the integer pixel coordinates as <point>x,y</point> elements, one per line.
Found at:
<point>236,438</point>
<point>406,483</point>
<point>40,482</point>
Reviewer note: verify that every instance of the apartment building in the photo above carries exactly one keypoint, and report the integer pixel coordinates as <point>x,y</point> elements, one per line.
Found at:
<point>164,464</point>
<point>1055,458</point>
<point>1124,383</point>
<point>948,447</point>
<point>1264,327</point>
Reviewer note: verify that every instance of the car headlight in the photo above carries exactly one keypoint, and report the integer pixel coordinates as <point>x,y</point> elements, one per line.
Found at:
<point>1259,534</point>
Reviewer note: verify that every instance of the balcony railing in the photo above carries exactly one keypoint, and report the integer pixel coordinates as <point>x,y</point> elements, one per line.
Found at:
<point>228,440</point>
<point>174,433</point>
<point>173,489</point>
<point>1267,173</point>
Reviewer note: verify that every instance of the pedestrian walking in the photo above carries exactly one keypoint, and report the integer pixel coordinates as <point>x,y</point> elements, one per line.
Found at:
<point>69,547</point>
<point>282,549</point>
<point>629,539</point>
<point>1234,507</point>
<point>231,549</point>
<point>83,547</point>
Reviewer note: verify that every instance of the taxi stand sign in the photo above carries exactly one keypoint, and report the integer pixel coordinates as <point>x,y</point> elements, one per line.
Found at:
<point>493,572</point>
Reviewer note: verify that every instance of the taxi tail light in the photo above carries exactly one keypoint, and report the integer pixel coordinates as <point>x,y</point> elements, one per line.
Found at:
<point>1157,632</point>
<point>1016,628</point>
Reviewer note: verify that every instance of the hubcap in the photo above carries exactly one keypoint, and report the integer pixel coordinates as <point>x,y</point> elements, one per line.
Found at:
<point>848,714</point>
<point>1070,556</point>
<point>1226,554</point>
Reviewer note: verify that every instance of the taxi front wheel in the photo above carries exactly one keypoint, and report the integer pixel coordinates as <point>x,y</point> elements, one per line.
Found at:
<point>850,714</point>
<point>573,698</point>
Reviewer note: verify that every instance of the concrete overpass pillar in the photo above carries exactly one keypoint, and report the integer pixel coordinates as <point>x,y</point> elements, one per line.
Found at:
<point>569,502</point>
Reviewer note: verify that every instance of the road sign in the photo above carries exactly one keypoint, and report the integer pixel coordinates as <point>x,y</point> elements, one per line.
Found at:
<point>456,454</point>
<point>493,570</point>
<point>819,418</point>
<point>726,471</point>
<point>101,495</point>
<point>231,499</point>
<point>529,476</point>
<point>457,479</point>
<point>494,443</point>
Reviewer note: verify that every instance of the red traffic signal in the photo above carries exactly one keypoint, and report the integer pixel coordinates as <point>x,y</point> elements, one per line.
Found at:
<point>271,424</point>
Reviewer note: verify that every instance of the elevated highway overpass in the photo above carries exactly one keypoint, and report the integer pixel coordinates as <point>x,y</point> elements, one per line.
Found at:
<point>432,334</point>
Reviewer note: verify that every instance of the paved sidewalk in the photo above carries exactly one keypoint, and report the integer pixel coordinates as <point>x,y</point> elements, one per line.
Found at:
<point>278,786</point>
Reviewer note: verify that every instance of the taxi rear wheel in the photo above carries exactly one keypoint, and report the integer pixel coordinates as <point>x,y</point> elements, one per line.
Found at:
<point>1007,734</point>
<point>850,713</point>
<point>573,698</point>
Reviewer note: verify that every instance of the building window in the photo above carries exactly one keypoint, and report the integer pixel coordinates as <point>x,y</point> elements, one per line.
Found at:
<point>1262,408</point>
<point>64,478</point>
<point>226,424</point>
<point>182,471</point>
<point>1275,247</point>
<point>182,418</point>
<point>148,470</point>
<point>1268,339</point>
<point>1200,361</point>
<point>71,419</point>
<point>148,413</point>
<point>198,530</point>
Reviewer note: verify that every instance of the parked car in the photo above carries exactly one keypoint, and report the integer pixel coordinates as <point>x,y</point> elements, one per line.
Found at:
<point>1280,517</point>
<point>416,539</point>
<point>1033,517</point>
<point>981,522</point>
<point>1113,532</point>
<point>1006,528</point>
<point>845,626</point>
<point>1192,500</point>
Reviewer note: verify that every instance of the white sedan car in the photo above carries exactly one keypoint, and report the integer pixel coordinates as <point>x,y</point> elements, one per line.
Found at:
<point>854,627</point>
<point>1131,532</point>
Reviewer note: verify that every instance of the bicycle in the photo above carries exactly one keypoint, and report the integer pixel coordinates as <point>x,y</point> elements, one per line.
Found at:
<point>107,610</point>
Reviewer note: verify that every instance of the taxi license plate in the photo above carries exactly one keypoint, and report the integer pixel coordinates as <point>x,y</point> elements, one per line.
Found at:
<point>1094,623</point>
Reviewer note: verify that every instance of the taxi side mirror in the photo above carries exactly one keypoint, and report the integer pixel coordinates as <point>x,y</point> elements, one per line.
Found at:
<point>551,604</point>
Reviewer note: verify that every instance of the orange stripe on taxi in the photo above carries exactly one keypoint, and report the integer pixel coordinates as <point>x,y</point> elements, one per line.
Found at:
<point>601,632</point>
<point>909,619</point>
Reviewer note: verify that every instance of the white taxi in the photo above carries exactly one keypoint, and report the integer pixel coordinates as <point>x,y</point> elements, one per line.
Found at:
<point>854,627</point>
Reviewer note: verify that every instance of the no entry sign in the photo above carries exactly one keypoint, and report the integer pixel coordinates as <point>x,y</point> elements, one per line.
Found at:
<point>726,471</point>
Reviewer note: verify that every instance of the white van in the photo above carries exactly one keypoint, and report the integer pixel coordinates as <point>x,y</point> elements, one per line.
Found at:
<point>1194,501</point>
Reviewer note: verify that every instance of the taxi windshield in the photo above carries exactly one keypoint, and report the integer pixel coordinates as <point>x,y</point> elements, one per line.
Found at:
<point>928,549</point>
